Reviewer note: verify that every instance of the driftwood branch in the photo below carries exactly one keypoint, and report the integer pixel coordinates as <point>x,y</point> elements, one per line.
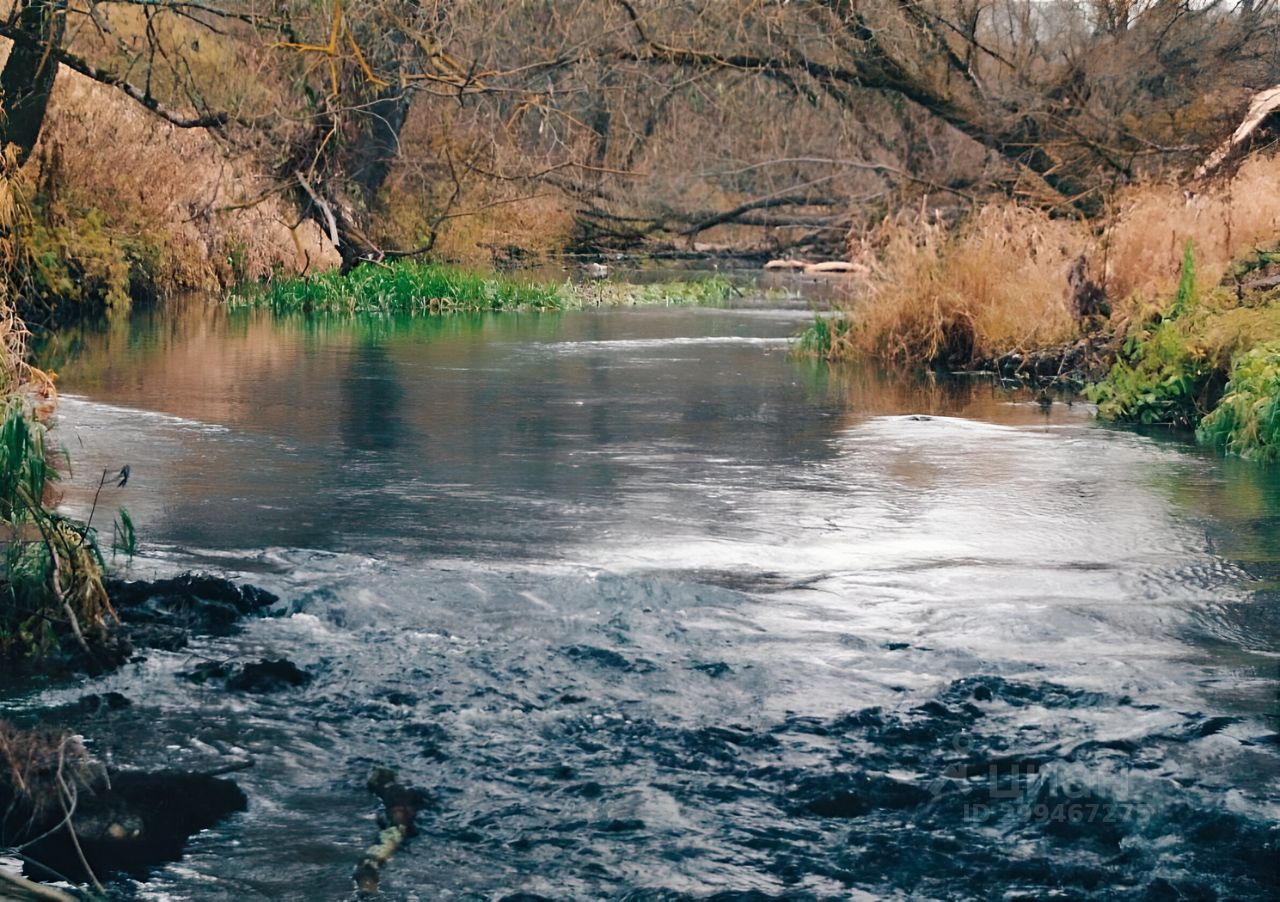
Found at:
<point>323,206</point>
<point>1264,103</point>
<point>13,886</point>
<point>738,212</point>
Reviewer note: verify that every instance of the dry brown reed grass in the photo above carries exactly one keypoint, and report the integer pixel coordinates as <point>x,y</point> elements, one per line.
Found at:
<point>17,376</point>
<point>1151,225</point>
<point>995,283</point>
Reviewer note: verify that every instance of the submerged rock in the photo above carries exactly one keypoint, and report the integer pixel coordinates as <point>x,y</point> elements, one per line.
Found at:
<point>131,821</point>
<point>75,819</point>
<point>160,613</point>
<point>260,677</point>
<point>269,676</point>
<point>853,795</point>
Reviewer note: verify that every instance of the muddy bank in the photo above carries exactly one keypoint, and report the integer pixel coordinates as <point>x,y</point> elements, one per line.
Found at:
<point>1073,365</point>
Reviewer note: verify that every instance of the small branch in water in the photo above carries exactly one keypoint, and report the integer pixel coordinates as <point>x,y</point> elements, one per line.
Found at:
<point>122,479</point>
<point>401,805</point>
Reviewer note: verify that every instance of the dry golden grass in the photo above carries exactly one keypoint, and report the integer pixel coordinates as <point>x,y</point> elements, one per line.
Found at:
<point>1224,219</point>
<point>995,284</point>
<point>112,178</point>
<point>998,281</point>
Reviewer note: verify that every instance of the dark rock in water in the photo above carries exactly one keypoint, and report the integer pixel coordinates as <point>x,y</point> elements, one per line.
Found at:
<point>1215,725</point>
<point>106,701</point>
<point>263,676</point>
<point>714,669</point>
<point>589,790</point>
<point>269,676</point>
<point>206,671</point>
<point>604,657</point>
<point>1162,890</point>
<point>132,822</point>
<point>195,602</point>
<point>525,897</point>
<point>853,795</point>
<point>157,636</point>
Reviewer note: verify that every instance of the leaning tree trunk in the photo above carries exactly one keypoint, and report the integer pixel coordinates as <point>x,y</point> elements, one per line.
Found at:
<point>27,78</point>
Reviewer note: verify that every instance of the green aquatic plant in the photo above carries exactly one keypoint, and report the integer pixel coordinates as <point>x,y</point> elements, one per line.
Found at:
<point>124,538</point>
<point>826,337</point>
<point>402,287</point>
<point>24,470</point>
<point>52,598</point>
<point>1246,421</point>
<point>1186,295</point>
<point>411,287</point>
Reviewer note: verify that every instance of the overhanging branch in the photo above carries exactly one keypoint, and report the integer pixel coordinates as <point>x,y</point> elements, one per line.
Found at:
<point>87,69</point>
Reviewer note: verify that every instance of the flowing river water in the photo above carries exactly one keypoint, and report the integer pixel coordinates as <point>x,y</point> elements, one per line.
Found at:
<point>654,611</point>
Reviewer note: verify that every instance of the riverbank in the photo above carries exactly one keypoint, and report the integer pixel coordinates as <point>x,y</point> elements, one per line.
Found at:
<point>1153,309</point>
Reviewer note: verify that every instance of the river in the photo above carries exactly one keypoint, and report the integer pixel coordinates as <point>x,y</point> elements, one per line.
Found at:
<point>654,611</point>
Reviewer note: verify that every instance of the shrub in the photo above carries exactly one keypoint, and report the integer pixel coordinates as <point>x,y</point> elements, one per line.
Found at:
<point>1162,375</point>
<point>1247,419</point>
<point>996,283</point>
<point>1158,379</point>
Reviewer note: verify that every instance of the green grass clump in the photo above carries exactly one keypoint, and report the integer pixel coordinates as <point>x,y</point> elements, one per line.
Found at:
<point>430,288</point>
<point>825,337</point>
<point>1163,374</point>
<point>709,292</point>
<point>1159,378</point>
<point>1247,419</point>
<point>403,287</point>
<point>53,606</point>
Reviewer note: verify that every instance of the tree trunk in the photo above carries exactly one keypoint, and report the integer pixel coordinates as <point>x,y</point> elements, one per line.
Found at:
<point>27,78</point>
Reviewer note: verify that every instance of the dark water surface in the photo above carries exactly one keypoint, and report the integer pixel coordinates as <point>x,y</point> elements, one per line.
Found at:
<point>655,612</point>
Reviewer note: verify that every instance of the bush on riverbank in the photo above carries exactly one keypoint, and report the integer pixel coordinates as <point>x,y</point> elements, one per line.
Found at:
<point>1173,368</point>
<point>951,297</point>
<point>1247,419</point>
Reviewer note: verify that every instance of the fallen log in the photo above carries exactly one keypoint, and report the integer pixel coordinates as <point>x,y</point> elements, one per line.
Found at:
<point>1263,104</point>
<point>397,822</point>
